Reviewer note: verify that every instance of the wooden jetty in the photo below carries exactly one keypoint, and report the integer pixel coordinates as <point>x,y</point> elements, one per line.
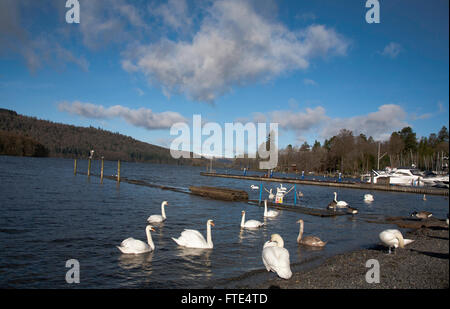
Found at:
<point>343,184</point>
<point>219,193</point>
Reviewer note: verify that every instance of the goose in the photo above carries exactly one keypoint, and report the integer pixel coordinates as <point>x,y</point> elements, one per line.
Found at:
<point>136,246</point>
<point>394,238</point>
<point>312,241</point>
<point>194,239</point>
<point>339,204</point>
<point>254,187</point>
<point>161,217</point>
<point>332,205</point>
<point>270,213</point>
<point>368,198</point>
<point>421,214</point>
<point>352,210</point>
<point>250,224</point>
<point>276,258</point>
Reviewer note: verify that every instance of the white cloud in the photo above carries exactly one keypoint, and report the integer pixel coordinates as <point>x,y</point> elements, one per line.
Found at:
<point>309,82</point>
<point>300,121</point>
<point>174,14</point>
<point>379,124</point>
<point>234,46</point>
<point>392,50</point>
<point>141,117</point>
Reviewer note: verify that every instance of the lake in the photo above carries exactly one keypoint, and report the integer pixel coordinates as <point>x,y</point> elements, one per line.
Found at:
<point>49,216</point>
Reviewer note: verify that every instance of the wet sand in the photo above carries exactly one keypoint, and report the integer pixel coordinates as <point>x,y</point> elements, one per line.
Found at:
<point>423,264</point>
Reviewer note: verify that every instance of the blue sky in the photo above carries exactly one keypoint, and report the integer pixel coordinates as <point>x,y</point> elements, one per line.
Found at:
<point>314,67</point>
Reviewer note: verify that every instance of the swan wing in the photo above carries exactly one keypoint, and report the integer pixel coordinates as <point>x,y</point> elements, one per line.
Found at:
<point>272,213</point>
<point>276,259</point>
<point>155,218</point>
<point>342,204</point>
<point>131,245</point>
<point>191,238</point>
<point>253,223</point>
<point>408,241</point>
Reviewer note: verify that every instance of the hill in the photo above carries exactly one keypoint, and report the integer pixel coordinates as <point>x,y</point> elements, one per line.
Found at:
<point>68,141</point>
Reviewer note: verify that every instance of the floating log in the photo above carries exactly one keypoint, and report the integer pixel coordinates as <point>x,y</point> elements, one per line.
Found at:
<point>220,193</point>
<point>305,210</point>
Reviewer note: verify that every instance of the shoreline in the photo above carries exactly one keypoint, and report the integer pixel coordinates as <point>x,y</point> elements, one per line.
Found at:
<point>423,264</point>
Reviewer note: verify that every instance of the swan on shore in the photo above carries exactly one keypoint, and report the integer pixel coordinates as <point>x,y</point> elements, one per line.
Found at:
<point>250,224</point>
<point>422,214</point>
<point>161,217</point>
<point>368,198</point>
<point>269,213</point>
<point>194,239</point>
<point>136,246</point>
<point>312,241</point>
<point>276,258</point>
<point>393,239</point>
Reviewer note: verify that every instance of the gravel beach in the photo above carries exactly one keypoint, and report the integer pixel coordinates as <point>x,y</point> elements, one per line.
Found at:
<point>423,264</point>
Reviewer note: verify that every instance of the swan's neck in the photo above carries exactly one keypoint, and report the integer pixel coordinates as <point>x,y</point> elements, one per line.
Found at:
<point>243,219</point>
<point>208,235</point>
<point>280,242</point>
<point>335,197</point>
<point>149,238</point>
<point>300,233</point>
<point>265,208</point>
<point>163,212</point>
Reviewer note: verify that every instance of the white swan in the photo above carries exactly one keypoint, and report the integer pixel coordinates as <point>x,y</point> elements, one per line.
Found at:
<point>136,246</point>
<point>250,224</point>
<point>194,239</point>
<point>312,241</point>
<point>271,195</point>
<point>276,258</point>
<point>394,238</point>
<point>254,187</point>
<point>161,217</point>
<point>368,198</point>
<point>339,204</point>
<point>270,213</point>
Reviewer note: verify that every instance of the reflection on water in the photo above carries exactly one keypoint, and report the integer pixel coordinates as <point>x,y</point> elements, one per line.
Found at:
<point>49,216</point>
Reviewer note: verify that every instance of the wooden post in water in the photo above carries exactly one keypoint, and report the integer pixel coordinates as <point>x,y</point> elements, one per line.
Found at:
<point>89,168</point>
<point>118,171</point>
<point>75,167</point>
<point>101,172</point>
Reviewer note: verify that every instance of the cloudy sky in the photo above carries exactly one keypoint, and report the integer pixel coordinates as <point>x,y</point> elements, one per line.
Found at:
<point>314,67</point>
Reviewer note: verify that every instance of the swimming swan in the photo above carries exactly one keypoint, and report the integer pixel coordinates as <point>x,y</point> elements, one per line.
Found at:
<point>394,238</point>
<point>368,198</point>
<point>250,224</point>
<point>276,258</point>
<point>254,187</point>
<point>193,238</point>
<point>309,240</point>
<point>159,218</point>
<point>135,246</point>
<point>270,213</point>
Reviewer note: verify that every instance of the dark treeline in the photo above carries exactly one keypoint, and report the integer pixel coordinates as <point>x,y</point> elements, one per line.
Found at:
<point>17,145</point>
<point>67,141</point>
<point>359,154</point>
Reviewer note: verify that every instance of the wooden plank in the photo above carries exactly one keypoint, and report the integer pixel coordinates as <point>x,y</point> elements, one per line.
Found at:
<point>219,193</point>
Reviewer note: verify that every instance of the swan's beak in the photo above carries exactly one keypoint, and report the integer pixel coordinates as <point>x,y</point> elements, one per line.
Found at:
<point>152,229</point>
<point>212,223</point>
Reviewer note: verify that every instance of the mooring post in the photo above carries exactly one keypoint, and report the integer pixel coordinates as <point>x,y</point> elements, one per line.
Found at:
<point>75,167</point>
<point>295,194</point>
<point>260,192</point>
<point>118,171</point>
<point>101,172</point>
<point>89,168</point>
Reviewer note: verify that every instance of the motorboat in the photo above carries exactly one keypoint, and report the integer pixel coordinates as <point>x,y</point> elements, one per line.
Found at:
<point>402,176</point>
<point>433,180</point>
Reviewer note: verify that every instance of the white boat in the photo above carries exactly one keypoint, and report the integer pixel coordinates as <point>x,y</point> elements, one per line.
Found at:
<point>398,176</point>
<point>433,180</point>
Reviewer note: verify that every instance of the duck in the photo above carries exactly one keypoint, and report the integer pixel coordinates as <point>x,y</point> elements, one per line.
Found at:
<point>136,246</point>
<point>250,224</point>
<point>368,198</point>
<point>421,214</point>
<point>269,213</point>
<point>393,239</point>
<point>276,258</point>
<point>312,241</point>
<point>159,218</point>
